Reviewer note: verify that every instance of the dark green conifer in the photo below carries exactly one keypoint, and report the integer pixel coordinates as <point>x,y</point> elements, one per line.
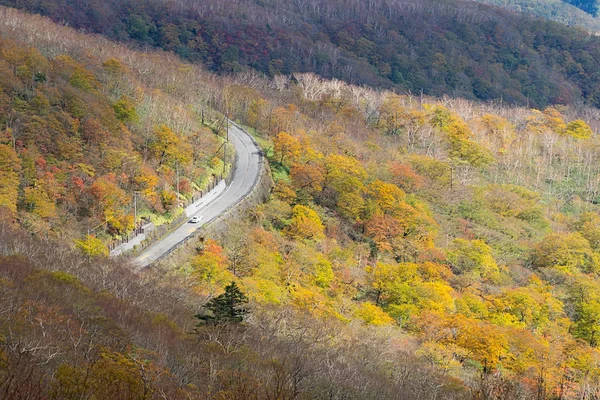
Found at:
<point>225,308</point>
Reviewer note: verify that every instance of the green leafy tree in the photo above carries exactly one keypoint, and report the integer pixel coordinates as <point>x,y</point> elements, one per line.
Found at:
<point>125,110</point>
<point>226,308</point>
<point>566,252</point>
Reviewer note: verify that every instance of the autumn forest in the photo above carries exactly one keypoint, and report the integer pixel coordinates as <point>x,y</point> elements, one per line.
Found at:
<point>432,230</point>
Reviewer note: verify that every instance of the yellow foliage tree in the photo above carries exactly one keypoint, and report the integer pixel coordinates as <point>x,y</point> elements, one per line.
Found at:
<point>169,148</point>
<point>395,119</point>
<point>209,266</point>
<point>588,224</point>
<point>578,129</point>
<point>373,315</point>
<point>481,342</point>
<point>386,196</point>
<point>92,246</point>
<point>306,223</point>
<point>148,180</point>
<point>112,376</point>
<point>566,252</point>
<point>10,165</point>
<point>287,148</point>
<point>39,202</point>
<point>499,132</point>
<point>344,174</point>
<point>550,120</point>
<point>472,259</point>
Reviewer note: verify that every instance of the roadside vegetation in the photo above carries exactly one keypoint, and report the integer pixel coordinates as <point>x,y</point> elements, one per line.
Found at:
<point>412,246</point>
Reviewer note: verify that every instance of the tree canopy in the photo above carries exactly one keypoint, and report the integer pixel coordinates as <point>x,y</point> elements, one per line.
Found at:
<point>230,306</point>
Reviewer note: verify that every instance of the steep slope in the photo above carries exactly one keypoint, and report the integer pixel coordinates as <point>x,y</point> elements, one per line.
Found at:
<point>77,326</point>
<point>83,129</point>
<point>462,49</point>
<point>74,328</point>
<point>471,226</point>
<point>413,247</point>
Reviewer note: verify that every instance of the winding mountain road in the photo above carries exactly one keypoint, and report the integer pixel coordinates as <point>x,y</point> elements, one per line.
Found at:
<point>245,176</point>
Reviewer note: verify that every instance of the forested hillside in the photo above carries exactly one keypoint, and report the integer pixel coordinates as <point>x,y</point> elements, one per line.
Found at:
<point>72,328</point>
<point>412,246</point>
<point>555,10</point>
<point>589,6</point>
<point>81,131</point>
<point>456,48</point>
<point>470,227</point>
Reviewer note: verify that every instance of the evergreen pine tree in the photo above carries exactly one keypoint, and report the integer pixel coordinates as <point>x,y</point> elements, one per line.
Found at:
<point>227,307</point>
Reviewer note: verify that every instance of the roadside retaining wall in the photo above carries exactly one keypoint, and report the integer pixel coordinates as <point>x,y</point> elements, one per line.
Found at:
<point>218,227</point>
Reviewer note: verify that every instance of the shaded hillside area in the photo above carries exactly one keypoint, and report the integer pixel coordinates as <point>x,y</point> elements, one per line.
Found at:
<point>71,328</point>
<point>455,48</point>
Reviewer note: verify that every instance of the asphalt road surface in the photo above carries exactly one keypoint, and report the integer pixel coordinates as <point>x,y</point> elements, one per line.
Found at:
<point>245,177</point>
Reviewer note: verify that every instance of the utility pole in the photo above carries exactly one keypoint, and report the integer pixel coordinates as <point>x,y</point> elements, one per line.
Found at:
<point>135,192</point>
<point>225,144</point>
<point>227,121</point>
<point>177,169</point>
<point>224,157</point>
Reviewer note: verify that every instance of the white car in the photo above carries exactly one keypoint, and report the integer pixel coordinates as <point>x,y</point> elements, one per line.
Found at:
<point>195,219</point>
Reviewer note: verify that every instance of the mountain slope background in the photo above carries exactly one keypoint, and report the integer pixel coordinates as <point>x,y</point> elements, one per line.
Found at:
<point>556,10</point>
<point>589,6</point>
<point>462,49</point>
<point>412,246</point>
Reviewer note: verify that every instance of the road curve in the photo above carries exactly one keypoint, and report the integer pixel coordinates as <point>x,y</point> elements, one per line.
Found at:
<point>245,176</point>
